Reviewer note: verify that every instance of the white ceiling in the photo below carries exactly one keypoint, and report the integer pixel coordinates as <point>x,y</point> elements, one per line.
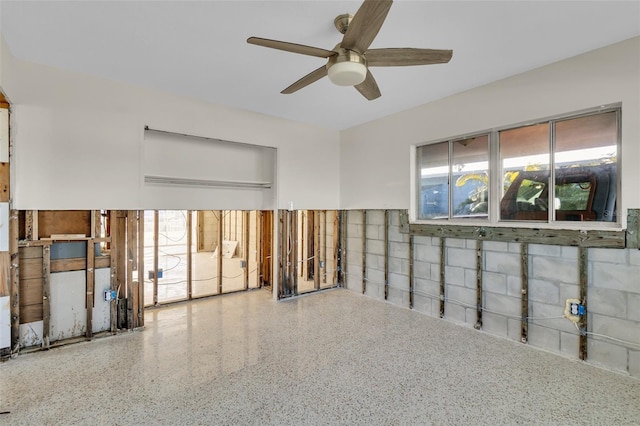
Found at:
<point>199,49</point>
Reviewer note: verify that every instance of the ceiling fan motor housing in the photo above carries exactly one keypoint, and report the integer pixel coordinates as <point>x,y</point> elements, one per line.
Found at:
<point>347,68</point>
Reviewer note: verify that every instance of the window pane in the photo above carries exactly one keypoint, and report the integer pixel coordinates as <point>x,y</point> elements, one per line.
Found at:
<point>471,177</point>
<point>433,166</point>
<point>586,168</point>
<point>524,158</point>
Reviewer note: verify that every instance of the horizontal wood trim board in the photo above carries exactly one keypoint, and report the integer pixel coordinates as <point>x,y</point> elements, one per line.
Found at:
<point>30,313</point>
<point>31,291</point>
<point>30,252</point>
<point>30,268</point>
<point>78,264</point>
<point>562,237</point>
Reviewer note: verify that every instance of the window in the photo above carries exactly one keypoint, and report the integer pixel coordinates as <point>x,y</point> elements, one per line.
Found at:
<point>557,170</point>
<point>457,167</point>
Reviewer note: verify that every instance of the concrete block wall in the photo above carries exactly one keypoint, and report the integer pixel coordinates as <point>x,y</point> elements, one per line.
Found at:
<point>613,297</point>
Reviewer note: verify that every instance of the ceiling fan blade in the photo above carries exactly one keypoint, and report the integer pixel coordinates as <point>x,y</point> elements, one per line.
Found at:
<point>369,88</point>
<point>406,56</point>
<point>312,77</point>
<point>291,47</point>
<point>365,25</point>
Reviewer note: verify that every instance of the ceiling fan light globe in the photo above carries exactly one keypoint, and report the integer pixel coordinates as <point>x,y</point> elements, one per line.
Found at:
<point>347,73</point>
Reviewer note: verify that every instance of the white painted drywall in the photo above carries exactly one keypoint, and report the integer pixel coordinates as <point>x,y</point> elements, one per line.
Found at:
<point>375,157</point>
<point>68,313</point>
<point>78,144</point>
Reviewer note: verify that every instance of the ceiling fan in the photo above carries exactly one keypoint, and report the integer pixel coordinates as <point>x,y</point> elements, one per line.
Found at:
<point>348,63</point>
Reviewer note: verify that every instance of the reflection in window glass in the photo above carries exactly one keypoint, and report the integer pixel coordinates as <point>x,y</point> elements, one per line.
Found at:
<point>471,177</point>
<point>585,155</point>
<point>524,158</point>
<point>433,163</point>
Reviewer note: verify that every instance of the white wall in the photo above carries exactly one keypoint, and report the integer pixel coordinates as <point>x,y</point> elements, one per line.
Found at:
<point>375,156</point>
<point>78,144</point>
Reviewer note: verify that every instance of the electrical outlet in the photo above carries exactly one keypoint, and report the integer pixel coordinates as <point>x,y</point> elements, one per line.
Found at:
<point>574,309</point>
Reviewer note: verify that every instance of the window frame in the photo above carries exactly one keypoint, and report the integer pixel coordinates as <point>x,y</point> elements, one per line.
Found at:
<point>496,176</point>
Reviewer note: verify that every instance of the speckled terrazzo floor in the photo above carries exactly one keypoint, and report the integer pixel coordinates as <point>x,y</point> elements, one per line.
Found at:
<point>329,358</point>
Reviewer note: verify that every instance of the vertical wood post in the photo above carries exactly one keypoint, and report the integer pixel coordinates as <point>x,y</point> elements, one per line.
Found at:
<point>132,291</point>
<point>156,254</point>
<point>90,286</point>
<point>247,241</point>
<point>46,295</point>
<point>479,308</point>
<point>411,272</point>
<point>344,226</point>
<point>386,254</point>
<point>583,259</point>
<point>336,246</point>
<point>364,251</point>
<point>292,236</point>
<point>220,239</point>
<point>14,299</point>
<point>524,311</point>
<point>189,226</point>
<point>141,270</point>
<point>442,276</point>
<point>316,250</point>
<point>29,219</point>
<point>114,247</point>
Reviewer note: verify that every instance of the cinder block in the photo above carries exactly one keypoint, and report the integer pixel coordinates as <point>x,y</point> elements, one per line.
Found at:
<point>421,269</point>
<point>375,277</point>
<point>633,307</point>
<point>495,246</point>
<point>427,253</point>
<point>373,263</point>
<point>395,234</point>
<point>634,363</point>
<point>570,253</point>
<point>608,302</point>
<point>607,354</point>
<point>354,283</point>
<point>435,271</point>
<point>422,304</point>
<point>494,283</point>
<point>375,232</point>
<point>495,324</point>
<point>569,291</point>
<point>616,327</point>
<point>375,217</point>
<point>514,329</point>
<point>354,245</point>
<point>461,295</point>
<point>570,344</point>
<point>454,275</point>
<point>455,313</point>
<point>399,281</point>
<point>515,248</point>
<point>470,278</point>
<point>435,307</point>
<point>354,217</point>
<point>428,287</point>
<point>455,242</point>
<point>425,241</point>
<point>554,269</point>
<point>398,297</point>
<point>464,258</point>
<point>354,230</point>
<point>375,247</point>
<point>394,217</point>
<point>550,316</point>
<point>399,266</point>
<point>622,277</point>
<point>544,250</point>
<point>608,255</point>
<point>506,263</point>
<point>400,250</point>
<point>374,290</point>
<point>514,286</point>
<point>544,338</point>
<point>544,291</point>
<point>354,258</point>
<point>501,304</point>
